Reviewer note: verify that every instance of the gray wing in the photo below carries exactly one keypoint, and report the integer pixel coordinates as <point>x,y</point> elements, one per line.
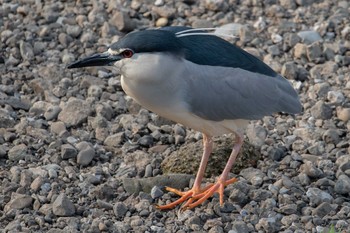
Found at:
<point>222,93</point>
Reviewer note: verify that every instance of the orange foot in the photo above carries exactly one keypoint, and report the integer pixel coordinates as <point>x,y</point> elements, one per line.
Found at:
<point>197,196</point>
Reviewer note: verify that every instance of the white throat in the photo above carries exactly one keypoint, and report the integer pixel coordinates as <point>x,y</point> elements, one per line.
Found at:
<point>147,76</point>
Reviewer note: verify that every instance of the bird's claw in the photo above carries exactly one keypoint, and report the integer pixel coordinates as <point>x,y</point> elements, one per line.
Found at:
<point>196,196</point>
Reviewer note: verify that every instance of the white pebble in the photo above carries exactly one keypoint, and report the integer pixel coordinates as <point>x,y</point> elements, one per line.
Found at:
<point>335,97</point>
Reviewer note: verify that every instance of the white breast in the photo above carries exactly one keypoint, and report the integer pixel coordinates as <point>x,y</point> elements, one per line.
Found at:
<point>158,83</point>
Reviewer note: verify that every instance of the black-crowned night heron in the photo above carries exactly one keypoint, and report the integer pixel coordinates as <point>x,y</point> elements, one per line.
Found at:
<point>197,79</point>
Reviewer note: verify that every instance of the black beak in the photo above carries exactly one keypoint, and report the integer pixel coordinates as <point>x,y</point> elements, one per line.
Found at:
<point>103,59</point>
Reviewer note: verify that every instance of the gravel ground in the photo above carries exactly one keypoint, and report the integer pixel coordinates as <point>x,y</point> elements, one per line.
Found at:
<point>77,155</point>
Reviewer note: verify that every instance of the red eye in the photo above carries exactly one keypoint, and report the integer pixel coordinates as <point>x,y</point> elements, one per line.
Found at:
<point>127,53</point>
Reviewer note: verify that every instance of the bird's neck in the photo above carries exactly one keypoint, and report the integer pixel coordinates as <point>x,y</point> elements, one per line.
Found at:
<point>152,79</point>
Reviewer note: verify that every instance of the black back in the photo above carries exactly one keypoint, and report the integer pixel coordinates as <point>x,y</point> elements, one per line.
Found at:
<point>200,49</point>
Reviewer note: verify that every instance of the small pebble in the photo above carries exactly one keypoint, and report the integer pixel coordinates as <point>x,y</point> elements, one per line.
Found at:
<point>62,206</point>
<point>156,192</point>
<point>120,209</point>
<point>85,156</point>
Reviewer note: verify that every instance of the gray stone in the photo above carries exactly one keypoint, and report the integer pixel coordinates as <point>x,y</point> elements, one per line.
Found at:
<point>6,121</point>
<point>179,181</point>
<point>202,23</point>
<point>67,58</point>
<point>18,201</point>
<point>13,226</point>
<point>256,134</point>
<point>309,37</point>
<point>62,206</point>
<point>328,53</point>
<point>156,192</point>
<point>346,32</point>
<point>322,210</point>
<point>85,156</point>
<point>259,195</point>
<point>164,11</point>
<point>314,52</point>
<point>322,89</point>
<point>75,112</point>
<point>120,209</point>
<point>343,114</point>
<point>3,151</point>
<point>65,39</point>
<point>335,97</point>
<point>317,148</point>
<point>26,50</point>
<point>289,219</point>
<point>303,75</point>
<point>321,111</point>
<point>253,175</point>
<point>342,224</point>
<point>95,91</point>
<point>246,34</point>
<point>58,128</point>
<point>289,209</point>
<point>216,229</point>
<point>194,220</point>
<point>179,130</point>
<point>104,205</point>
<point>68,151</point>
<point>238,196</point>
<point>166,129</point>
<point>331,136</point>
<point>342,186</point>
<point>144,204</point>
<point>328,68</point>
<point>273,50</point>
<point>148,171</point>
<point>16,103</point>
<point>15,174</point>
<point>18,152</point>
<point>159,3</point>
<point>216,5</point>
<point>138,159</point>
<point>122,21</point>
<point>39,47</point>
<point>52,173</point>
<point>146,141</point>
<point>291,39</point>
<point>36,184</point>
<point>179,139</point>
<point>299,50</point>
<point>268,224</point>
<point>115,140</point>
<point>317,196</point>
<point>288,4</point>
<point>324,182</point>
<point>311,170</point>
<point>81,145</point>
<point>289,70</point>
<point>52,112</point>
<point>276,154</point>
<point>74,30</point>
<point>239,227</point>
<point>98,122</point>
<point>26,178</point>
<point>59,91</point>
<point>304,2</point>
<point>343,162</point>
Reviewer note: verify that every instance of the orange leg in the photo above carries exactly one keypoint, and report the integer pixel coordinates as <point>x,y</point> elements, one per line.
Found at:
<point>198,195</point>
